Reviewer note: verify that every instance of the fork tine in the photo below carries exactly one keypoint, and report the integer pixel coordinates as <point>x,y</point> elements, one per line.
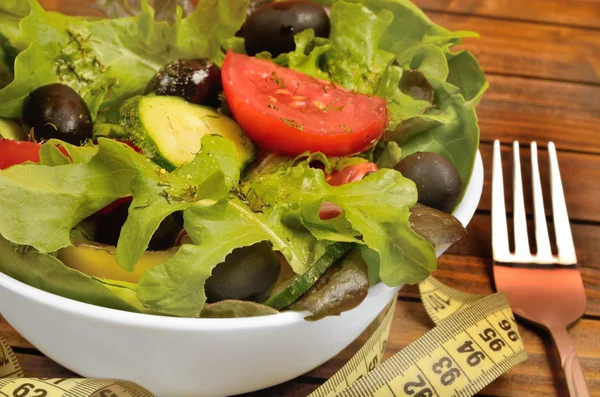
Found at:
<point>564,238</point>
<point>500,247</point>
<point>522,251</point>
<point>544,252</point>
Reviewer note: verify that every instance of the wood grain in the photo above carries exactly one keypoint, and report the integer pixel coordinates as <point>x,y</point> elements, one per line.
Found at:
<point>516,108</point>
<point>37,366</point>
<point>580,175</point>
<point>583,13</point>
<point>544,51</point>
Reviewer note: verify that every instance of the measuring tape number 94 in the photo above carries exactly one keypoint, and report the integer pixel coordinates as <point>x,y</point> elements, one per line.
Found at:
<point>475,341</point>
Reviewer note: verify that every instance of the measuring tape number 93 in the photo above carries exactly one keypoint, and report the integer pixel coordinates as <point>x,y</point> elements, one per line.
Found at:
<point>475,340</point>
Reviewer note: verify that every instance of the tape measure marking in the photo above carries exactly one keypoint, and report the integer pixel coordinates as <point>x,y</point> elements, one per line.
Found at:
<point>42,387</point>
<point>475,341</point>
<point>9,366</point>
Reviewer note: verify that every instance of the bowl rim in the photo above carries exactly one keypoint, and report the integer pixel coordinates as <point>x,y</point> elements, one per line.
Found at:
<point>464,212</point>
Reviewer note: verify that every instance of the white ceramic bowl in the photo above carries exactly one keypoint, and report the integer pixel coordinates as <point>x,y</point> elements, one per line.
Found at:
<point>179,357</point>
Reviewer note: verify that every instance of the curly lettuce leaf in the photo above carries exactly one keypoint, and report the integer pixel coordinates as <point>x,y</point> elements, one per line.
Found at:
<point>109,60</point>
<point>11,40</point>
<point>177,286</point>
<point>157,194</point>
<point>389,156</point>
<point>41,204</point>
<point>282,207</point>
<point>375,213</point>
<point>308,55</point>
<point>47,273</point>
<point>355,60</point>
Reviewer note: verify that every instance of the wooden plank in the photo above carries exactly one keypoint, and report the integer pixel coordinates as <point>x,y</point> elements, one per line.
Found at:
<point>36,366</point>
<point>529,49</point>
<point>561,12</point>
<point>516,108</point>
<point>580,175</point>
<point>12,336</point>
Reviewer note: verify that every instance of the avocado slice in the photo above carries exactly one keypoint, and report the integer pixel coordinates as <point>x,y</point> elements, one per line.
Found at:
<point>98,260</point>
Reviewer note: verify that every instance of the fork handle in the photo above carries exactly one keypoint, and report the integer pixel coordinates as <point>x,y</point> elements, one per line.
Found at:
<point>570,363</point>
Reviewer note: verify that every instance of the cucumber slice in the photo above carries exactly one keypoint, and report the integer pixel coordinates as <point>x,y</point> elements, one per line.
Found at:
<point>287,293</point>
<point>169,130</point>
<point>11,130</point>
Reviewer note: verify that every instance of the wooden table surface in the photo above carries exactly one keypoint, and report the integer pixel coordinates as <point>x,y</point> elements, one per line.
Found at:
<point>542,59</point>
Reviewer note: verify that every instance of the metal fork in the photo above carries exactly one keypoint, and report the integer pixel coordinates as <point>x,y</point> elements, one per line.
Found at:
<point>542,288</point>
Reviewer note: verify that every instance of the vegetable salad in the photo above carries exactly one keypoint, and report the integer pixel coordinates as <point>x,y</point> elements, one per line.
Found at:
<point>240,160</point>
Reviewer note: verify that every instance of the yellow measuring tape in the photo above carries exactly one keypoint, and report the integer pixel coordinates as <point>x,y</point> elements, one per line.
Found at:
<point>475,341</point>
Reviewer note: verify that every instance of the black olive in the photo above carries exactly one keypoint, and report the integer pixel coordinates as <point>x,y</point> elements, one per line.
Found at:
<point>248,273</point>
<point>57,111</point>
<point>272,27</point>
<point>195,80</point>
<point>109,227</point>
<point>414,84</point>
<point>438,183</point>
<point>252,7</point>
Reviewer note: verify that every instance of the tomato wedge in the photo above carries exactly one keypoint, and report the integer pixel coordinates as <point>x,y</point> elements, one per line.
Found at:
<point>18,152</point>
<point>352,173</point>
<point>289,112</point>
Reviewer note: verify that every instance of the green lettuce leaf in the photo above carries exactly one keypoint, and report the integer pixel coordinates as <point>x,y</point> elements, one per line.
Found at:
<point>177,286</point>
<point>355,60</point>
<point>375,213</point>
<point>109,60</point>
<point>308,55</point>
<point>47,273</point>
<point>41,204</point>
<point>390,156</point>
<point>157,193</point>
<point>11,40</point>
<point>282,207</point>
<point>466,74</point>
<point>50,155</point>
<point>457,139</point>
